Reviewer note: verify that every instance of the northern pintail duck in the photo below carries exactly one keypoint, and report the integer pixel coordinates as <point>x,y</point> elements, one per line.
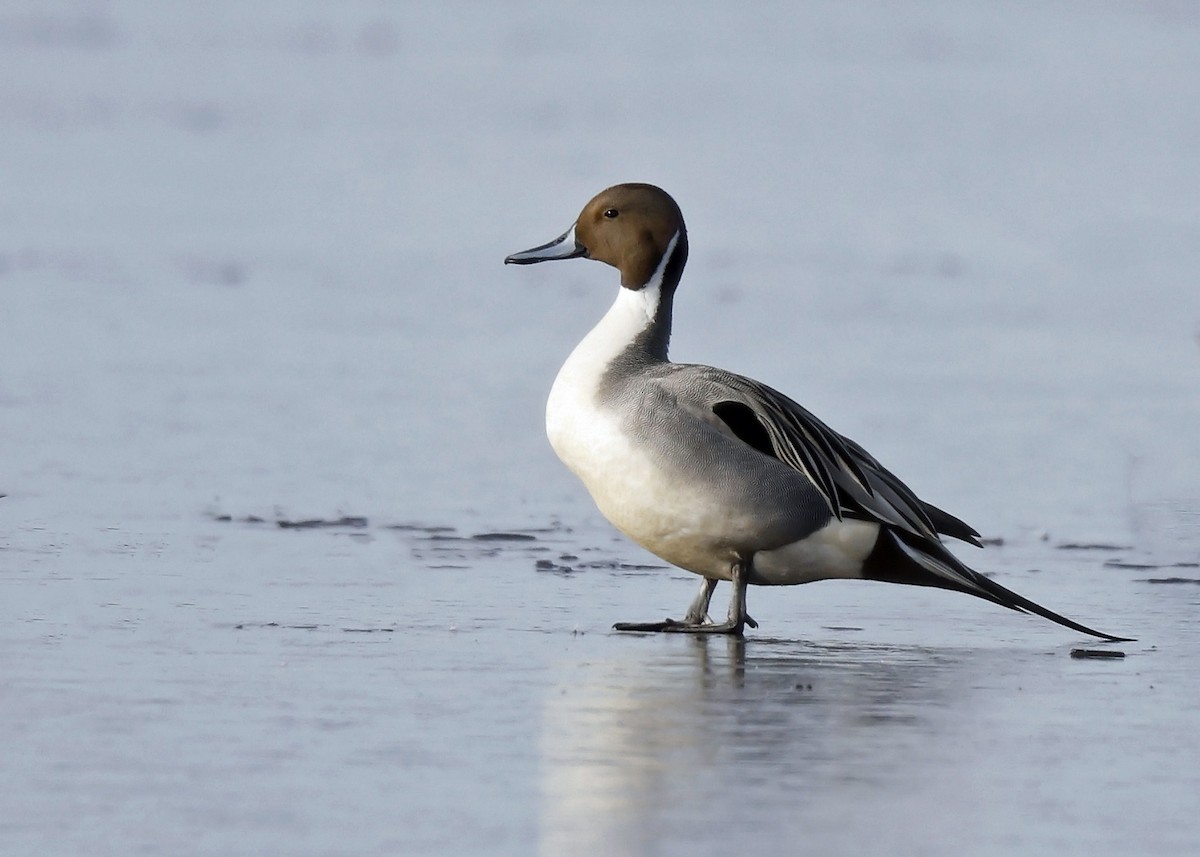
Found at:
<point>716,473</point>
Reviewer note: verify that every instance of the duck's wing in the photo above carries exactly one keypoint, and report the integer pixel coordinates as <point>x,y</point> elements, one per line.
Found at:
<point>856,485</point>
<point>853,483</point>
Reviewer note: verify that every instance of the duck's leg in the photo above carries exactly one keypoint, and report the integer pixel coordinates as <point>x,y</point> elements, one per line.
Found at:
<point>737,620</point>
<point>697,612</point>
<point>696,621</point>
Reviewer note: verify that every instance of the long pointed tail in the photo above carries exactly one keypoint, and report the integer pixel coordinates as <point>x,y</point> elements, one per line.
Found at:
<point>901,558</point>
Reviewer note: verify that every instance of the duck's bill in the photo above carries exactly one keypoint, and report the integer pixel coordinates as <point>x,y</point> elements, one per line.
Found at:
<point>563,247</point>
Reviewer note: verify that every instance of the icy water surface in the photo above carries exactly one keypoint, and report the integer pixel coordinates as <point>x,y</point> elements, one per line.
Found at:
<point>236,687</point>
<point>288,567</point>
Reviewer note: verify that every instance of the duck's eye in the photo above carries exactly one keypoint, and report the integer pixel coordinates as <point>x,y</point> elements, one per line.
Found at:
<point>610,213</point>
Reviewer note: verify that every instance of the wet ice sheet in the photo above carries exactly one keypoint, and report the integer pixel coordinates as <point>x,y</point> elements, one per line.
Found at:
<point>238,688</point>
<point>852,747</point>
<point>250,264</point>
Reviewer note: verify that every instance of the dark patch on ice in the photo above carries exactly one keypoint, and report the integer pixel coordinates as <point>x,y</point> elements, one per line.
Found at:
<point>594,565</point>
<point>552,567</point>
<point>841,628</point>
<point>440,546</point>
<point>437,548</point>
<point>248,519</point>
<point>242,626</point>
<point>245,626</point>
<point>554,527</point>
<point>418,528</point>
<point>446,548</point>
<point>1097,654</point>
<point>1091,546</point>
<point>995,542</point>
<point>346,521</point>
<point>318,523</point>
<point>1136,566</point>
<point>618,565</point>
<point>1195,580</point>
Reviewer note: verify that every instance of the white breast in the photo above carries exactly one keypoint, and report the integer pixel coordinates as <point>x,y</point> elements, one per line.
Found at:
<point>586,436</point>
<point>590,437</point>
<point>626,483</point>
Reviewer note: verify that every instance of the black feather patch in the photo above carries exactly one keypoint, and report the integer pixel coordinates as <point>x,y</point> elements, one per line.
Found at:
<point>743,423</point>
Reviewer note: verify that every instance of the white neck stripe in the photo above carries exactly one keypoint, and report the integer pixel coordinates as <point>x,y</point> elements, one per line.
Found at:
<point>648,296</point>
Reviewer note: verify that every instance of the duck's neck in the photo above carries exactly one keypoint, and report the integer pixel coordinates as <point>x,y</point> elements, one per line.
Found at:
<point>632,335</point>
<point>638,325</point>
<point>640,322</point>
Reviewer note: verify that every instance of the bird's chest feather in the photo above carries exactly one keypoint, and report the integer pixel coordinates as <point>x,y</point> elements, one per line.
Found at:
<point>586,432</point>
<point>602,429</point>
<point>626,476</point>
<point>590,439</point>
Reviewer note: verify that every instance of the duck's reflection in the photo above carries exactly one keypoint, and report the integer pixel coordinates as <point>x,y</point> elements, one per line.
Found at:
<point>633,751</point>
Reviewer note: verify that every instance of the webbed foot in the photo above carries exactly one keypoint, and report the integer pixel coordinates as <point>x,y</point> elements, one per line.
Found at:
<point>697,621</point>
